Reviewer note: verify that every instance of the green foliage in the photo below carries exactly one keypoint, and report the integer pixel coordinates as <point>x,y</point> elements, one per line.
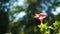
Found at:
<point>18,8</point>
<point>42,27</point>
<point>56,24</point>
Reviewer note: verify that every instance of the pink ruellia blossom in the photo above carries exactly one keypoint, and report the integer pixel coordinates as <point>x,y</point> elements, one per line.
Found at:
<point>40,16</point>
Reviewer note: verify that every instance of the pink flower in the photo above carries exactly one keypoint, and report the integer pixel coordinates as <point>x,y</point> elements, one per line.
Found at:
<point>40,16</point>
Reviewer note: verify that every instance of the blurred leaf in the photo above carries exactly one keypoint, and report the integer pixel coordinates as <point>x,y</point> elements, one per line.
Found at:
<point>56,24</point>
<point>42,27</point>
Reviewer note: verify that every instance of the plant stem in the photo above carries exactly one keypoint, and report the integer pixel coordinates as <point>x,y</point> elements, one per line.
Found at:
<point>41,21</point>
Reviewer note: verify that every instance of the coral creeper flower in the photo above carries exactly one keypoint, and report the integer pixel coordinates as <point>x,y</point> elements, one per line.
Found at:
<point>40,16</point>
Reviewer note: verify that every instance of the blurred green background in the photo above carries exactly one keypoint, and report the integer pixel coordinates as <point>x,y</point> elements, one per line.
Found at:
<point>17,16</point>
